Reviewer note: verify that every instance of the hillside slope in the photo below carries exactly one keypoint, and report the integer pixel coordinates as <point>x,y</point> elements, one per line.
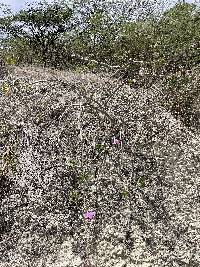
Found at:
<point>58,160</point>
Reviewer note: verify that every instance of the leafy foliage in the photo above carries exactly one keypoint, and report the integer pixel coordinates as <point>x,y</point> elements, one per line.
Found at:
<point>40,26</point>
<point>139,42</point>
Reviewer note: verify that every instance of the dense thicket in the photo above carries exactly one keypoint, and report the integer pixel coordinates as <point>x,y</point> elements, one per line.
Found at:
<point>75,142</point>
<point>137,39</point>
<point>116,33</point>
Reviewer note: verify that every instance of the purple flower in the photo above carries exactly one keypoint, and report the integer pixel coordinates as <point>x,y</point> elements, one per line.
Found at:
<point>89,215</point>
<point>115,141</point>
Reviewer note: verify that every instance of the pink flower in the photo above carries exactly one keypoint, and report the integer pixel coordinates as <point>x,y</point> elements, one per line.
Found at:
<point>89,215</point>
<point>115,141</point>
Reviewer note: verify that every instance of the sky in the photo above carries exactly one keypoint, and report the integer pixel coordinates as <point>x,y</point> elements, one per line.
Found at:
<point>16,5</point>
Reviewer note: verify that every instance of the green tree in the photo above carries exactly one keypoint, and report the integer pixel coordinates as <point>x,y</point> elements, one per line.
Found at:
<point>101,36</point>
<point>179,36</point>
<point>41,26</point>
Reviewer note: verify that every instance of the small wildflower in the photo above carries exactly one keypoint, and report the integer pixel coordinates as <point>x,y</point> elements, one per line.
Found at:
<point>89,215</point>
<point>115,141</point>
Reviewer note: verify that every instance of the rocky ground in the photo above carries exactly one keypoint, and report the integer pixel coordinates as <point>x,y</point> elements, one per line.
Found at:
<point>58,160</point>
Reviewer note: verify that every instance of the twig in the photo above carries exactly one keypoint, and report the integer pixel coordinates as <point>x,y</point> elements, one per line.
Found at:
<point>43,81</point>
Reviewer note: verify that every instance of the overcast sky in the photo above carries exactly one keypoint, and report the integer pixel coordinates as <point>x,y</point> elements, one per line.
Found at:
<point>18,4</point>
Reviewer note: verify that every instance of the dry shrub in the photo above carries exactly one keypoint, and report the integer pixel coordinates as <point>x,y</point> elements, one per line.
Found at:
<point>58,160</point>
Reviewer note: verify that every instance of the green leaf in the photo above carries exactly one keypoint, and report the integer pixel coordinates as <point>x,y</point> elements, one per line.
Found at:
<point>125,193</point>
<point>99,147</point>
<point>10,60</point>
<point>130,82</point>
<point>5,88</point>
<point>84,177</point>
<point>74,195</point>
<point>141,181</point>
<point>72,163</point>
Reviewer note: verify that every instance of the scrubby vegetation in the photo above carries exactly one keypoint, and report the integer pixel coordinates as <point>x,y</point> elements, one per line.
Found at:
<point>137,39</point>
<point>99,135</point>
